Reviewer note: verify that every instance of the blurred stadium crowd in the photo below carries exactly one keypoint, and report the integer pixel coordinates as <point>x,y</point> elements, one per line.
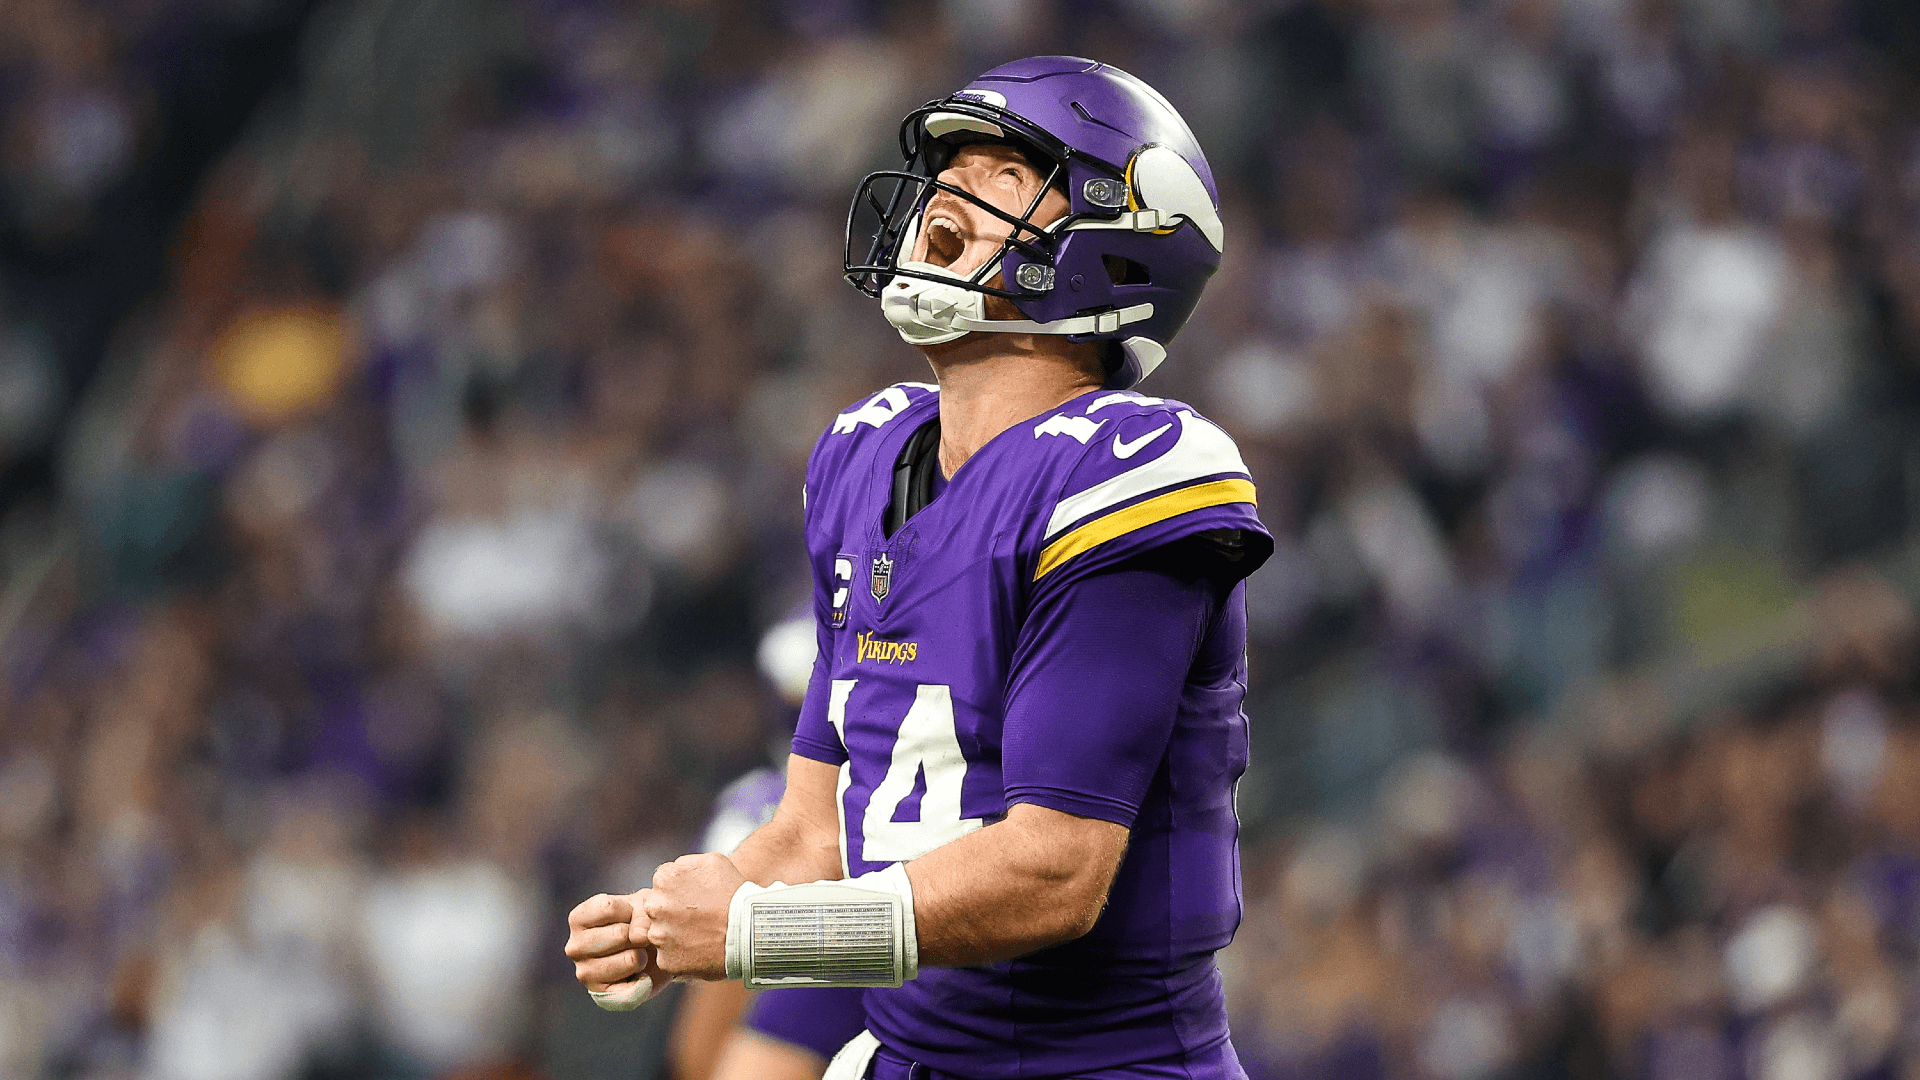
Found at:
<point>403,405</point>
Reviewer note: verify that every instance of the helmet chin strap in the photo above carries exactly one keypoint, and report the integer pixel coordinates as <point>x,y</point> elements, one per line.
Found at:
<point>933,312</point>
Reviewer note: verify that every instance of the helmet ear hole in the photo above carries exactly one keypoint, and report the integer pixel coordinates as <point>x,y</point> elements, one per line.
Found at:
<point>1124,271</point>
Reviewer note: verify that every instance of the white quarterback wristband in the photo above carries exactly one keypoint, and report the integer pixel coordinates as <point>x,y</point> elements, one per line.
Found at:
<point>824,933</point>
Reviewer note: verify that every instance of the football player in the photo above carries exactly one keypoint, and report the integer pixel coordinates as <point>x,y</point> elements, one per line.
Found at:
<point>1009,806</point>
<point>723,1030</point>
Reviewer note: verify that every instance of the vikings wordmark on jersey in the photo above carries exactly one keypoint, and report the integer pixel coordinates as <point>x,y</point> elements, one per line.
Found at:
<point>911,688</point>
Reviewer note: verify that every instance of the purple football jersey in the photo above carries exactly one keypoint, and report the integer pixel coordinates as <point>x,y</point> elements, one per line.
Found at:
<point>820,1019</point>
<point>939,692</point>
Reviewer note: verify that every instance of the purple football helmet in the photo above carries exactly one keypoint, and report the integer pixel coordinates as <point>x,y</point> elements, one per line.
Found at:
<point>1141,236</point>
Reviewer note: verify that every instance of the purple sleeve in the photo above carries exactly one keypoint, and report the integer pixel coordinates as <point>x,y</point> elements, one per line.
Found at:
<point>1096,684</point>
<point>820,1019</point>
<point>813,734</point>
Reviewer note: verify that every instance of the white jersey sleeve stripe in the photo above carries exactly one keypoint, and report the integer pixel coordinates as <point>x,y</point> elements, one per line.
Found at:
<point>1203,450</point>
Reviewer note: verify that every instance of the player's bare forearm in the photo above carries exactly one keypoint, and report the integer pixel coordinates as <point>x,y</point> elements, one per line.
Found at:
<point>1037,878</point>
<point>802,842</point>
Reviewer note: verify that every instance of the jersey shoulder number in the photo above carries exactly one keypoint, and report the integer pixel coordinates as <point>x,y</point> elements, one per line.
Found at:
<point>848,442</point>
<point>882,408</point>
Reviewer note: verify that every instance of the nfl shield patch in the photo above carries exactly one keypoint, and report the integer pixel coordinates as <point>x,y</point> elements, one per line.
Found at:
<point>882,576</point>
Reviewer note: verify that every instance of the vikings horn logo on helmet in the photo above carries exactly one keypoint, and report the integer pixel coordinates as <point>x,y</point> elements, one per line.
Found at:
<point>1126,264</point>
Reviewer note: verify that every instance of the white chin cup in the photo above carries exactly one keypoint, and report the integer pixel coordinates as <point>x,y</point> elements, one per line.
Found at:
<point>925,311</point>
<point>930,312</point>
<point>627,999</point>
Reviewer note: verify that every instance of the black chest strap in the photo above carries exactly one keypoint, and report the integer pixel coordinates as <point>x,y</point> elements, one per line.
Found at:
<point>913,475</point>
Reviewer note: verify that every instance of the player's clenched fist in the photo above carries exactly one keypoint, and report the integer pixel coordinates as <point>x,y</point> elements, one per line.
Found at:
<point>686,914</point>
<point>607,942</point>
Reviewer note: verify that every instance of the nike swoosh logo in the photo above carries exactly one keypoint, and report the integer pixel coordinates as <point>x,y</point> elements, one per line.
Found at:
<point>1123,449</point>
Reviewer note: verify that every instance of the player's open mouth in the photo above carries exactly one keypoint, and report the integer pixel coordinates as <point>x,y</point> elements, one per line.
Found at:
<point>944,242</point>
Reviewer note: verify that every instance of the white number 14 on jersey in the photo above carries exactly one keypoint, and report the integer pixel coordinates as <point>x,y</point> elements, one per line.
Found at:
<point>927,744</point>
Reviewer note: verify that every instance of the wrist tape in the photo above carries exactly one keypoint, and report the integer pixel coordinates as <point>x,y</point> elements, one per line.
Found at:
<point>824,933</point>
<point>624,1000</point>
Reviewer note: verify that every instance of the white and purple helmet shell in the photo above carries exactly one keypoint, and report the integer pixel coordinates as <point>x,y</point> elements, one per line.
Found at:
<point>1142,232</point>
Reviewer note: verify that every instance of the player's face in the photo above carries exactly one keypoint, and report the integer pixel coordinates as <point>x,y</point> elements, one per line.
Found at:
<point>959,235</point>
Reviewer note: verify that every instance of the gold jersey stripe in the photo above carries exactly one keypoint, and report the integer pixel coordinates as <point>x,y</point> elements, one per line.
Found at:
<point>1139,516</point>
